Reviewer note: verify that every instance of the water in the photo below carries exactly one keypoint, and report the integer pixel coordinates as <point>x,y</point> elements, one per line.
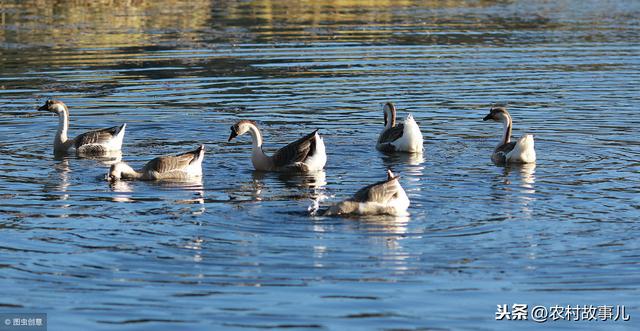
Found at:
<point>240,250</point>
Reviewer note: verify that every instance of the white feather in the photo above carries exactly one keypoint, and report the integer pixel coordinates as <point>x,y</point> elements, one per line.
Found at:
<point>318,160</point>
<point>396,207</point>
<point>524,151</point>
<point>411,140</point>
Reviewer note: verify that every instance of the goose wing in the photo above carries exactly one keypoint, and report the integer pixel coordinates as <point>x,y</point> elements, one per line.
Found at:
<point>391,134</point>
<point>382,191</point>
<point>297,151</point>
<point>169,163</point>
<point>97,136</point>
<point>500,154</point>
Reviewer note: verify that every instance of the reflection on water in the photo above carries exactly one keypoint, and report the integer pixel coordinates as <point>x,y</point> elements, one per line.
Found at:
<point>105,158</point>
<point>59,180</point>
<point>403,158</point>
<point>123,188</point>
<point>239,248</point>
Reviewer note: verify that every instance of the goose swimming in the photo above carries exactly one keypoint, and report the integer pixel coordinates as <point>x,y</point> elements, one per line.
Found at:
<point>93,142</point>
<point>384,197</point>
<point>303,155</point>
<point>507,151</point>
<point>403,137</point>
<point>177,167</point>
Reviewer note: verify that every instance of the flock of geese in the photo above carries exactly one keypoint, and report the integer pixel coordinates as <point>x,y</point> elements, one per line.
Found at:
<point>306,154</point>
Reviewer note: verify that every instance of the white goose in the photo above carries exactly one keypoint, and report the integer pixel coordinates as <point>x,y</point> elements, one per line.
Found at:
<point>303,155</point>
<point>385,197</point>
<point>89,143</point>
<point>403,137</point>
<point>170,167</point>
<point>507,151</point>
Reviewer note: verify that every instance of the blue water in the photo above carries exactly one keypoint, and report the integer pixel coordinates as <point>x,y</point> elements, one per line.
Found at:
<point>240,250</point>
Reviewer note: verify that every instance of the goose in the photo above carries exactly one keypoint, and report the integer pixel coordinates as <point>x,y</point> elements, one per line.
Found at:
<point>507,151</point>
<point>403,137</point>
<point>384,197</point>
<point>89,143</point>
<point>177,167</point>
<point>303,155</point>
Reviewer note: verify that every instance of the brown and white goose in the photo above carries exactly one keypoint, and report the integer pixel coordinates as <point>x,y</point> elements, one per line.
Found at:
<point>400,137</point>
<point>303,155</point>
<point>89,143</point>
<point>386,197</point>
<point>507,151</point>
<point>170,167</point>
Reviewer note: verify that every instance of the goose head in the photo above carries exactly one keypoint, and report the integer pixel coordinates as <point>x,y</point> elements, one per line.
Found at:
<point>389,111</point>
<point>117,170</point>
<point>498,114</point>
<point>240,128</point>
<point>53,106</point>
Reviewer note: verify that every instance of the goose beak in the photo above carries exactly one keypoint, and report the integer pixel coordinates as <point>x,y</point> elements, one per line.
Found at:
<point>43,108</point>
<point>232,135</point>
<point>488,117</point>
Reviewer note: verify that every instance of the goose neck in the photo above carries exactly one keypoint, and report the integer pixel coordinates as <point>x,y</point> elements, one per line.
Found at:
<point>63,126</point>
<point>390,117</point>
<point>506,135</point>
<point>127,172</point>
<point>256,136</point>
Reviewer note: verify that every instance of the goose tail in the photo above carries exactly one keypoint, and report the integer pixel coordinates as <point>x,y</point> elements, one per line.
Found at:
<point>524,150</point>
<point>121,129</point>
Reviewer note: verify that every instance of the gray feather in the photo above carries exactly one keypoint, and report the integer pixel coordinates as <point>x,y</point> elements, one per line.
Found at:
<point>295,152</point>
<point>97,136</point>
<point>391,134</point>
<point>382,191</point>
<point>170,163</point>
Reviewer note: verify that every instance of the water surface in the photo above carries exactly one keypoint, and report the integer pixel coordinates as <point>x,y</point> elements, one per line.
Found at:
<point>239,250</point>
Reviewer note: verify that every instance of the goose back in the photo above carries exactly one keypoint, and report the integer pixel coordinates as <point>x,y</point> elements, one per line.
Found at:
<point>295,152</point>
<point>381,192</point>
<point>391,134</point>
<point>163,164</point>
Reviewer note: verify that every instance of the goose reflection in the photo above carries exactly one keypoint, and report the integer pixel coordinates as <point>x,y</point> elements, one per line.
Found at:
<point>59,179</point>
<point>524,173</point>
<point>384,236</point>
<point>516,184</point>
<point>387,233</point>
<point>107,158</point>
<point>392,227</point>
<point>315,179</point>
<point>194,186</point>
<point>298,186</point>
<point>527,174</point>
<point>411,165</point>
<point>392,160</point>
<point>125,188</point>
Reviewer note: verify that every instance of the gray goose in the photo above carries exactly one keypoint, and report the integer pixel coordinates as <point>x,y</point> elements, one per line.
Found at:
<point>303,155</point>
<point>176,167</point>
<point>507,151</point>
<point>89,143</point>
<point>384,197</point>
<point>399,137</point>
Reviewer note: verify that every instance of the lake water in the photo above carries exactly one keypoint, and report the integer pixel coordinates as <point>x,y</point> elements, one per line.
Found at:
<point>240,250</point>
